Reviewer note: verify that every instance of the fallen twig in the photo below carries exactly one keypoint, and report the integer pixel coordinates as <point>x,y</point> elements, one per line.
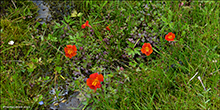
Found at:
<point>201,82</point>
<point>193,77</point>
<point>13,4</point>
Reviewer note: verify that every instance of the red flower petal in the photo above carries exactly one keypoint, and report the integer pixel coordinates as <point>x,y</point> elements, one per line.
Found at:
<point>108,28</point>
<point>170,36</point>
<point>87,22</point>
<point>143,50</point>
<point>94,75</point>
<point>74,48</point>
<point>83,26</point>
<point>70,51</point>
<point>147,49</point>
<point>99,86</point>
<point>89,82</point>
<point>148,53</point>
<point>89,26</point>
<point>94,81</point>
<point>100,78</point>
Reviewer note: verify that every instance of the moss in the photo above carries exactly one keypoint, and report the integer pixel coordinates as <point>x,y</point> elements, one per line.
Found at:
<point>16,20</point>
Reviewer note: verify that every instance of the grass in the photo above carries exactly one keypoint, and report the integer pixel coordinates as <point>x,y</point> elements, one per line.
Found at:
<point>167,79</point>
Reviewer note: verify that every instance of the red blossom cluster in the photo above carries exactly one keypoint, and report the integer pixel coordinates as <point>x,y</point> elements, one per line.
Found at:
<point>95,79</point>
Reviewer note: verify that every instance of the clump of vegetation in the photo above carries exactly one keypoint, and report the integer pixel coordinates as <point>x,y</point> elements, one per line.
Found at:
<point>137,66</point>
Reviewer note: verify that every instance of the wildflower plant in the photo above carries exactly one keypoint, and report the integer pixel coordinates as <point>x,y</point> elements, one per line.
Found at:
<point>107,27</point>
<point>86,25</point>
<point>94,81</point>
<point>170,36</point>
<point>137,67</point>
<point>147,49</point>
<point>70,51</point>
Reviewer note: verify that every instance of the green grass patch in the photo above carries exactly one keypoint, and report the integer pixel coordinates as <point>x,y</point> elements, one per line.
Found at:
<point>35,67</point>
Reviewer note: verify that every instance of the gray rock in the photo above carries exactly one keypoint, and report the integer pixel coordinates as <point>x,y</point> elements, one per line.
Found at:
<point>44,12</point>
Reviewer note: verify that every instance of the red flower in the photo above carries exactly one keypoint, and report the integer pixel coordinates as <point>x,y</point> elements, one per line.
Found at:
<point>170,36</point>
<point>94,81</point>
<point>147,49</point>
<point>86,24</point>
<point>70,51</point>
<point>108,28</point>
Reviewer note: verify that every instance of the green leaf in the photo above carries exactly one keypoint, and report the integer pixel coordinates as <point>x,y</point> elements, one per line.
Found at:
<point>58,69</point>
<point>110,75</point>
<point>35,60</point>
<point>57,92</point>
<point>71,37</point>
<point>131,45</point>
<point>49,37</point>
<point>130,51</point>
<point>132,64</point>
<point>30,70</point>
<point>72,22</point>
<point>183,33</point>
<point>35,99</point>
<point>126,77</point>
<point>39,79</point>
<point>77,82</point>
<point>41,97</point>
<point>171,25</point>
<point>77,34</point>
<point>37,24</point>
<point>85,102</point>
<point>44,26</point>
<point>181,40</point>
<point>58,24</point>
<point>164,19</point>
<point>137,50</point>
<point>141,65</point>
<point>128,19</point>
<point>196,25</point>
<point>80,14</point>
<point>47,77</point>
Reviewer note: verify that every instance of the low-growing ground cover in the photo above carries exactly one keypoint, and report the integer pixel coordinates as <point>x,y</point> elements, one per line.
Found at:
<point>117,54</point>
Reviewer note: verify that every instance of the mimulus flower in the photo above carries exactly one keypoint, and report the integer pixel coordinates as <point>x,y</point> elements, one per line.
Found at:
<point>86,24</point>
<point>94,81</point>
<point>170,36</point>
<point>147,49</point>
<point>108,28</point>
<point>70,51</point>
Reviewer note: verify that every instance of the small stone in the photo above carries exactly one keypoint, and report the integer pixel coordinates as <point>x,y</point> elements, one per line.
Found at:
<point>11,42</point>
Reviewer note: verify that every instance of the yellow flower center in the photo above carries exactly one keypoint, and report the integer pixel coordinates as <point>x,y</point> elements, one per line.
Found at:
<point>147,49</point>
<point>170,37</point>
<point>70,51</point>
<point>94,83</point>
